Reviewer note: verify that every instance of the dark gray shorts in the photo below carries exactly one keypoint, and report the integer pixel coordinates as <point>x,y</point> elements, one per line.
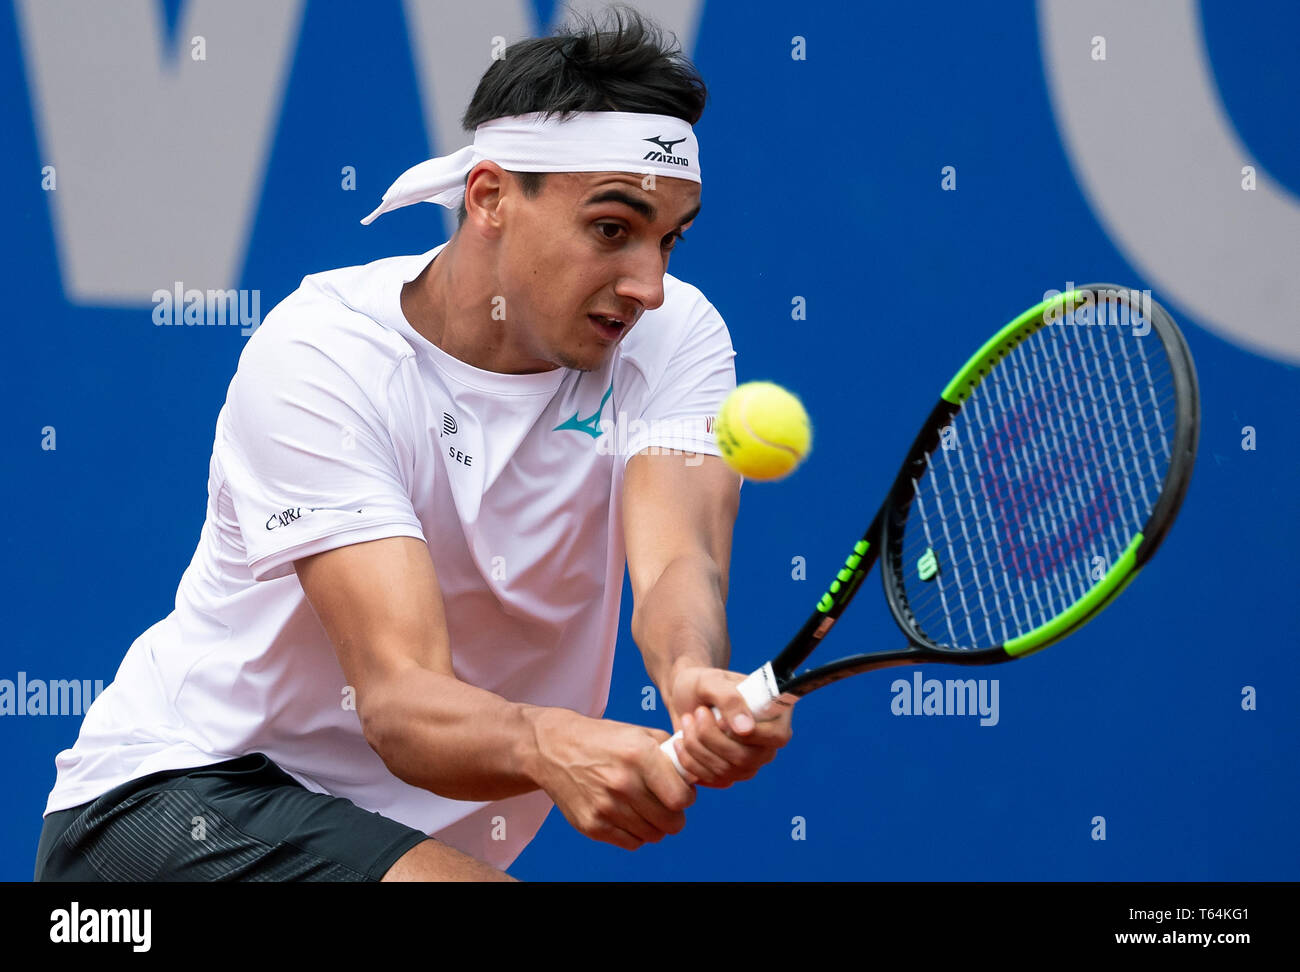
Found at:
<point>241,820</point>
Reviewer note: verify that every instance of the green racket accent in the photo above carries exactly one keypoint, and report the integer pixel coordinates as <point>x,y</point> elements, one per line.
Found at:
<point>844,576</point>
<point>973,372</point>
<point>927,566</point>
<point>1116,579</point>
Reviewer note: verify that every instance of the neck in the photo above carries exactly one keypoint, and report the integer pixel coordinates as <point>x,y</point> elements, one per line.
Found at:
<point>450,304</point>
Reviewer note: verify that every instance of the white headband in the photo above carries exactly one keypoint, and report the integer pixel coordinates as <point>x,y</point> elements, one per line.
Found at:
<point>591,141</point>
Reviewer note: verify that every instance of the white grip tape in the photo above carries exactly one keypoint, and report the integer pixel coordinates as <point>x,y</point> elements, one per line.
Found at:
<point>760,693</point>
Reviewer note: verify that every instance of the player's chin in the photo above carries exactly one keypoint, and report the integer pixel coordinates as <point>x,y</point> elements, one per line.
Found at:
<point>584,359</point>
<point>589,354</point>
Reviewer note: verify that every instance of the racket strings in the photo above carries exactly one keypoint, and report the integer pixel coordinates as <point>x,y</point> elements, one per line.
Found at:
<point>1052,466</point>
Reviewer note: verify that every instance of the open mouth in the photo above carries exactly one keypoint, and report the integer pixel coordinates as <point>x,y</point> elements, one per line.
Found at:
<point>608,327</point>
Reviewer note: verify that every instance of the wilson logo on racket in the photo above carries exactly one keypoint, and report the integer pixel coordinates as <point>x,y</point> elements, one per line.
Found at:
<point>927,567</point>
<point>1051,496</point>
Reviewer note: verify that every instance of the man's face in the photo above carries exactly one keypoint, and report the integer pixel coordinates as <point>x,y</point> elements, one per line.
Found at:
<point>590,243</point>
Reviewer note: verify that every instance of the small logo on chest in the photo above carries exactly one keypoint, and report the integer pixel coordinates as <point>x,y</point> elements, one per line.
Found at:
<point>590,424</point>
<point>449,427</point>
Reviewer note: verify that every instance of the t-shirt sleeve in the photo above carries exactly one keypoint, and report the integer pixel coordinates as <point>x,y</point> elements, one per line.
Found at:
<point>306,447</point>
<point>683,399</point>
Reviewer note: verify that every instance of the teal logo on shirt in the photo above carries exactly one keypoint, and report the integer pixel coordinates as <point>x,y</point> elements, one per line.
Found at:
<point>591,424</point>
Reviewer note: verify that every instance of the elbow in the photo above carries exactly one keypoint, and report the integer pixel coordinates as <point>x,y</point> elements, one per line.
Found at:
<point>391,714</point>
<point>374,709</point>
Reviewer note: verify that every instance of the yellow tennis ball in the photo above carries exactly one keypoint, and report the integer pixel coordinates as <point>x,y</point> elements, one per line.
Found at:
<point>763,431</point>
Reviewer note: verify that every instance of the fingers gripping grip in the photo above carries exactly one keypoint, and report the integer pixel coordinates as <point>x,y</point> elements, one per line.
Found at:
<point>760,693</point>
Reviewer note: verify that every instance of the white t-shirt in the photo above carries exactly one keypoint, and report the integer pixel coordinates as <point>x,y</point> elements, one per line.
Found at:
<point>342,425</point>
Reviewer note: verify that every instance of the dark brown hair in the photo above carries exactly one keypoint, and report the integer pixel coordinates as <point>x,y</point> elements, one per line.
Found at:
<point>624,65</point>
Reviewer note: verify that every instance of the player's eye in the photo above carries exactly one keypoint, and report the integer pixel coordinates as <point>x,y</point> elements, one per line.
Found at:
<point>611,232</point>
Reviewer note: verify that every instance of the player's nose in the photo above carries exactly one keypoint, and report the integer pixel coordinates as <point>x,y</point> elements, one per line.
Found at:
<point>644,279</point>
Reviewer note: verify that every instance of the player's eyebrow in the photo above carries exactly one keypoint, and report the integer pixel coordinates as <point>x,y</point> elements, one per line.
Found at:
<point>643,208</point>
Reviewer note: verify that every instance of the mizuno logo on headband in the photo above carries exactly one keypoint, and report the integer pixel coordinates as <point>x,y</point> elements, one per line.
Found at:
<point>667,154</point>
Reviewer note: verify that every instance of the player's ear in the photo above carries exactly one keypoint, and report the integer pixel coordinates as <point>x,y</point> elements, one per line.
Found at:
<point>483,198</point>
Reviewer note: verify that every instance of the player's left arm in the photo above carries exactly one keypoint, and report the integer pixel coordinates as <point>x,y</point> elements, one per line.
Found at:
<point>679,510</point>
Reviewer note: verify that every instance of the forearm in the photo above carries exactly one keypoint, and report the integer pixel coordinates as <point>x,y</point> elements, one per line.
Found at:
<point>682,621</point>
<point>454,739</point>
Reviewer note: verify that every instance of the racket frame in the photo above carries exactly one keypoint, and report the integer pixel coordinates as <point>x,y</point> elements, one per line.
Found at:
<point>884,534</point>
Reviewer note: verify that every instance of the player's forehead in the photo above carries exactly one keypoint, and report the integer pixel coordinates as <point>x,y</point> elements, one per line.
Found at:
<point>658,199</point>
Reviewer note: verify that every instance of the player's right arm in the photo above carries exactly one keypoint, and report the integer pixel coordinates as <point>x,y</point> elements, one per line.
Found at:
<point>380,605</point>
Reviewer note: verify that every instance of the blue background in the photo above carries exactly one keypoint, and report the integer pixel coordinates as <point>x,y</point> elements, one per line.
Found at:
<point>822,180</point>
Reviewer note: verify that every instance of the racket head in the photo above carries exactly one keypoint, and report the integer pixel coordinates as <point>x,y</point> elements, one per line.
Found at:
<point>1043,481</point>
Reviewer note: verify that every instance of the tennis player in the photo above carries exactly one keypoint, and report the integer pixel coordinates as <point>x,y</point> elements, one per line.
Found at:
<point>390,654</point>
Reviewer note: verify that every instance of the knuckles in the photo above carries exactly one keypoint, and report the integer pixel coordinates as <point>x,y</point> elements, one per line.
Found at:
<point>623,782</point>
<point>603,809</point>
<point>679,803</point>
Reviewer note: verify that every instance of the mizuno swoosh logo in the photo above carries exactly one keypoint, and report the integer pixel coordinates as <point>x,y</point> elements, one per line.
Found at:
<point>590,424</point>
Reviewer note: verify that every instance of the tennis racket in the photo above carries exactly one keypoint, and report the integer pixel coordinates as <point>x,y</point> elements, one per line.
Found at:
<point>1038,487</point>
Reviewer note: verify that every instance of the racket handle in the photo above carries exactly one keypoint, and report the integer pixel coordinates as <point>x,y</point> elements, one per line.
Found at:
<point>760,693</point>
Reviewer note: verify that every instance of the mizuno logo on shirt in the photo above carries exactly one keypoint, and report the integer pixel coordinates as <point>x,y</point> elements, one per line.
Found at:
<point>590,424</point>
